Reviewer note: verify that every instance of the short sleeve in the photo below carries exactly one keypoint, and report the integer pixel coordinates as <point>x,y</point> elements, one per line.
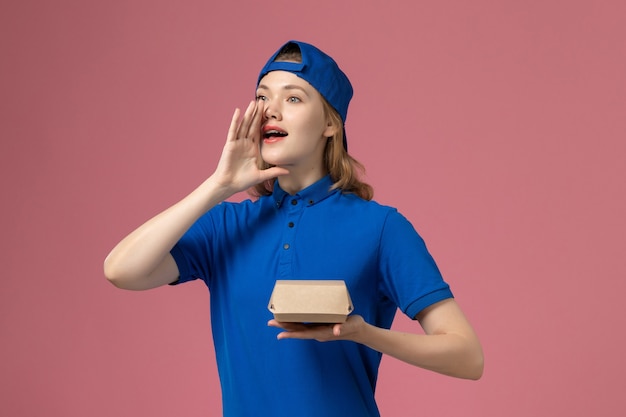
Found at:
<point>193,252</point>
<point>411,277</point>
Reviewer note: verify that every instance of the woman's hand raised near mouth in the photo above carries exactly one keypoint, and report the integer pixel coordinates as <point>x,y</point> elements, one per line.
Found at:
<point>238,167</point>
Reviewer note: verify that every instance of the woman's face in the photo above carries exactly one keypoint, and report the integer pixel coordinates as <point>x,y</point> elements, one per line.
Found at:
<point>294,129</point>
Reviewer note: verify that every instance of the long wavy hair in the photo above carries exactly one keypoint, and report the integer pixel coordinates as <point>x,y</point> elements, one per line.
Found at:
<point>345,171</point>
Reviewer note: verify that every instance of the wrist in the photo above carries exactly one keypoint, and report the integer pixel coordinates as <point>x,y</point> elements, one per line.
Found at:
<point>362,332</point>
<point>217,189</point>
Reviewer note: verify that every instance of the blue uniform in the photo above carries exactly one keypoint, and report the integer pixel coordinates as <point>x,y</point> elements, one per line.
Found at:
<point>240,249</point>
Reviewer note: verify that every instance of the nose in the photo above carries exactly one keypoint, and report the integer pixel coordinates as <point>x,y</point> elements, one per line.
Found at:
<point>271,111</point>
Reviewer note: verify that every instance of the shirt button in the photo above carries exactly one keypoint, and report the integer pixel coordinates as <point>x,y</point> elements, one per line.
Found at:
<point>290,224</point>
<point>294,202</point>
<point>311,201</point>
<point>286,246</point>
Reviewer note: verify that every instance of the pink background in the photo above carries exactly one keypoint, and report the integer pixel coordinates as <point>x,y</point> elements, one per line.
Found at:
<point>497,127</point>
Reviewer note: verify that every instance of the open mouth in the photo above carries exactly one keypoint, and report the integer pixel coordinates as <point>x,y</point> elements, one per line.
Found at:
<point>274,133</point>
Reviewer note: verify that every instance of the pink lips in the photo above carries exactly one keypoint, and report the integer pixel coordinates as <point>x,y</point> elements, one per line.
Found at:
<point>273,134</point>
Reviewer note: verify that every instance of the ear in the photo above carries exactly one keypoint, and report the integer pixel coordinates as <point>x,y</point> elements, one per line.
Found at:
<point>330,130</point>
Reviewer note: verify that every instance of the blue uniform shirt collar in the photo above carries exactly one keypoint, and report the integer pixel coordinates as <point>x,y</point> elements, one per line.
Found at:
<point>312,194</point>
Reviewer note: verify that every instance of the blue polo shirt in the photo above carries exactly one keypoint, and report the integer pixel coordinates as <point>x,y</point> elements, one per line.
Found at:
<point>240,249</point>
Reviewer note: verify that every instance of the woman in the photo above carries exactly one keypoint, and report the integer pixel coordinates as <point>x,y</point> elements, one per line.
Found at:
<point>313,219</point>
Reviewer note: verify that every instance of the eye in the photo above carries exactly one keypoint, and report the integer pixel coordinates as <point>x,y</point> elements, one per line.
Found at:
<point>260,97</point>
<point>293,99</point>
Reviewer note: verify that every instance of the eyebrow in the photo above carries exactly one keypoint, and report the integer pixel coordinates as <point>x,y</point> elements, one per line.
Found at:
<point>285,87</point>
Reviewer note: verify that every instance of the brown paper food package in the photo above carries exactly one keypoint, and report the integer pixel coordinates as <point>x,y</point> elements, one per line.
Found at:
<point>310,301</point>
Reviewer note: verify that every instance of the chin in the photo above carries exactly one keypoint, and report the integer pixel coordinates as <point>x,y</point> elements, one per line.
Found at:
<point>273,159</point>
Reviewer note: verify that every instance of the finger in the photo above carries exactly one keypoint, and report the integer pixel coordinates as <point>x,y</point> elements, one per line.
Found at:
<point>273,172</point>
<point>246,121</point>
<point>286,326</point>
<point>273,323</point>
<point>234,125</point>
<point>254,131</point>
<point>322,333</point>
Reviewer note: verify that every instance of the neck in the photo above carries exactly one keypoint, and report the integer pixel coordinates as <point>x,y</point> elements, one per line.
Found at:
<point>294,182</point>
